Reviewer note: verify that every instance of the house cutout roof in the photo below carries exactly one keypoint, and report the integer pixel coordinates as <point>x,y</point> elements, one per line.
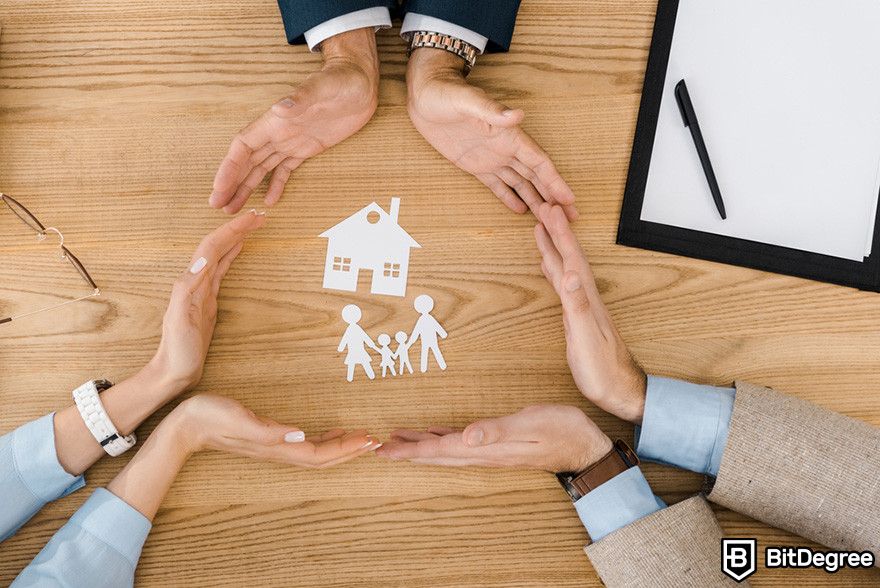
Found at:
<point>358,225</point>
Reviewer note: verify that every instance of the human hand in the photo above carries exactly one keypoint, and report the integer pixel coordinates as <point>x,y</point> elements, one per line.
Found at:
<point>189,321</point>
<point>554,438</point>
<point>328,107</point>
<point>602,366</point>
<point>215,422</point>
<point>480,135</point>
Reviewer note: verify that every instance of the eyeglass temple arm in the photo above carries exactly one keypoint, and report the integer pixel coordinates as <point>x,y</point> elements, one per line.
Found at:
<point>97,292</point>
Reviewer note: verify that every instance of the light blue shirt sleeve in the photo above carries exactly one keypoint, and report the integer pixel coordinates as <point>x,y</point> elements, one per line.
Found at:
<point>685,425</point>
<point>622,500</point>
<point>30,475</point>
<point>102,541</point>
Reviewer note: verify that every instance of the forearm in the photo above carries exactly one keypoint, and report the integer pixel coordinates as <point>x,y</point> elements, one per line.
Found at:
<point>675,546</point>
<point>427,63</point>
<point>127,404</point>
<point>357,48</point>
<point>145,481</point>
<point>802,468</point>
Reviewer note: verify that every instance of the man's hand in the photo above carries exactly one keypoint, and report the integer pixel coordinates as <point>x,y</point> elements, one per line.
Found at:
<point>547,437</point>
<point>600,362</point>
<point>192,312</point>
<point>328,107</point>
<point>480,135</point>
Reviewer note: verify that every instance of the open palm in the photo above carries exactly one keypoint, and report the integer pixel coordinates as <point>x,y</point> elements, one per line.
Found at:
<point>483,137</point>
<point>328,107</point>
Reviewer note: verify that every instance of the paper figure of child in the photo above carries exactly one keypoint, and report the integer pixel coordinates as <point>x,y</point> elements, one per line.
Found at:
<point>387,354</point>
<point>402,352</point>
<point>356,340</point>
<point>427,328</point>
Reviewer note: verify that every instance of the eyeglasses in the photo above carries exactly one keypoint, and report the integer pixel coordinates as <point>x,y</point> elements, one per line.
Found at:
<point>42,231</point>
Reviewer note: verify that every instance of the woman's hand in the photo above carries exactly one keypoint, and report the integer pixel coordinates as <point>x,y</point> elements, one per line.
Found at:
<point>192,312</point>
<point>602,366</point>
<point>186,334</point>
<point>214,422</point>
<point>548,437</point>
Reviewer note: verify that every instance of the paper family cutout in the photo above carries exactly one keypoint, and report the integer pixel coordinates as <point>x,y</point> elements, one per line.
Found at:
<point>369,240</point>
<point>356,340</point>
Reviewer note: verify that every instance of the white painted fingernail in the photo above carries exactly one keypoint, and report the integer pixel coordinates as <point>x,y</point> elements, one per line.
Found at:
<point>377,446</point>
<point>198,266</point>
<point>294,437</point>
<point>256,212</point>
<point>507,113</point>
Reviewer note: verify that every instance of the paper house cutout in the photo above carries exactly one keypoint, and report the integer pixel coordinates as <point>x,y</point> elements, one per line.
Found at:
<point>369,240</point>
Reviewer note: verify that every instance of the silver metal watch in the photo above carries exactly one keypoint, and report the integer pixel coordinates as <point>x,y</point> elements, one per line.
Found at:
<point>447,42</point>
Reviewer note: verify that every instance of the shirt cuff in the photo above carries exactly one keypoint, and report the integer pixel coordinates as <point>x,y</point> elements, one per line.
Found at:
<point>111,520</point>
<point>622,500</point>
<point>419,22</point>
<point>33,446</point>
<point>685,425</point>
<point>378,17</point>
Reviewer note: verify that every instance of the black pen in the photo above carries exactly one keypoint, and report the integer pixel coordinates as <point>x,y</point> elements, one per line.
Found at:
<point>683,97</point>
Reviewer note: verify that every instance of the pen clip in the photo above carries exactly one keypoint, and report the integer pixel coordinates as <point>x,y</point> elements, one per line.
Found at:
<point>682,96</point>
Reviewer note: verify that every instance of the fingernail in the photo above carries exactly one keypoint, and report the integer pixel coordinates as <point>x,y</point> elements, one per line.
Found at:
<point>256,212</point>
<point>573,284</point>
<point>507,112</point>
<point>286,103</point>
<point>198,266</point>
<point>377,446</point>
<point>294,437</point>
<point>475,437</point>
<point>370,442</point>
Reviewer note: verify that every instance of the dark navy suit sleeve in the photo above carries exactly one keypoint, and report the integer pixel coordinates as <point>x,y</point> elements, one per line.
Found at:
<point>494,19</point>
<point>302,15</point>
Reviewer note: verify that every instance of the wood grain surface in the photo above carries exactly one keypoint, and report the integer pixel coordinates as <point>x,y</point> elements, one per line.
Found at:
<point>113,118</point>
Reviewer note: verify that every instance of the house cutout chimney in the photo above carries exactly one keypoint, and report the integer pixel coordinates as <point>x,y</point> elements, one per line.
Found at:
<point>395,209</point>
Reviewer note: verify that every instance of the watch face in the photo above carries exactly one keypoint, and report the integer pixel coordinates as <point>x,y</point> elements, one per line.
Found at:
<point>565,479</point>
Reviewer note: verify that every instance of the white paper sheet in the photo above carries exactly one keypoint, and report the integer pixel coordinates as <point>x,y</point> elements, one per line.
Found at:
<point>787,93</point>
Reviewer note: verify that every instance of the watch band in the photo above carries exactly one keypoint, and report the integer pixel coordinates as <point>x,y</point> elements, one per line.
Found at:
<point>447,42</point>
<point>615,462</point>
<point>97,420</point>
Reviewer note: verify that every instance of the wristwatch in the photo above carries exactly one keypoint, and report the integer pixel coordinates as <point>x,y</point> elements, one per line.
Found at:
<point>449,43</point>
<point>618,460</point>
<point>97,420</point>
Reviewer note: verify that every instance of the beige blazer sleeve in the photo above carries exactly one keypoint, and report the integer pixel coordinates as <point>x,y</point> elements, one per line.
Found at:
<point>679,546</point>
<point>799,467</point>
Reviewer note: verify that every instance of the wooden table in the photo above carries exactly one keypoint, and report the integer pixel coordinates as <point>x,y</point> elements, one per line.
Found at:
<point>113,118</point>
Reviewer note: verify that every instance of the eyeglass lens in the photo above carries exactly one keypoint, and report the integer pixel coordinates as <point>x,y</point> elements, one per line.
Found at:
<point>23,213</point>
<point>76,263</point>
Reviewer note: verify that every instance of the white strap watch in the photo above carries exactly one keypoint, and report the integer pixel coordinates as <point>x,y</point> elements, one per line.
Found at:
<point>96,419</point>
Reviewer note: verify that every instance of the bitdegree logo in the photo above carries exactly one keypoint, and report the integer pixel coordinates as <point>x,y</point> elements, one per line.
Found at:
<point>804,557</point>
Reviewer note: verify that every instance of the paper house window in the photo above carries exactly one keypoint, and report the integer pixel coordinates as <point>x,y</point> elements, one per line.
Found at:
<point>342,264</point>
<point>392,270</point>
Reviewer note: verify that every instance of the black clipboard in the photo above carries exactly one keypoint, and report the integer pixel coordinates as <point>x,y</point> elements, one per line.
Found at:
<point>634,232</point>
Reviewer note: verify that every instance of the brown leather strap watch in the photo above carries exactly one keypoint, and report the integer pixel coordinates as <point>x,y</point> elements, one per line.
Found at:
<point>618,460</point>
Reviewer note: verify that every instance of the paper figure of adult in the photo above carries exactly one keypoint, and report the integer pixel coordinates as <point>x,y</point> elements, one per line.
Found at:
<point>427,329</point>
<point>356,340</point>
